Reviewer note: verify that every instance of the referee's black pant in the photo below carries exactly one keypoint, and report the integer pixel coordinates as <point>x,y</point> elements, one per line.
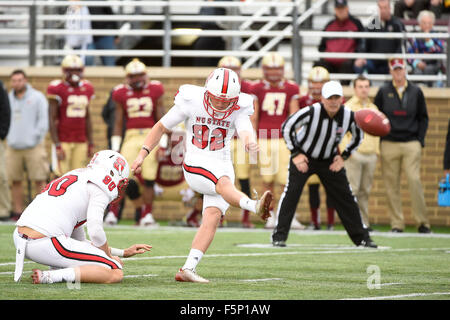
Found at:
<point>337,188</point>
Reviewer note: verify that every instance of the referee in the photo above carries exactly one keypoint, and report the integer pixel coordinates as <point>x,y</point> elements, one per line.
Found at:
<point>312,135</point>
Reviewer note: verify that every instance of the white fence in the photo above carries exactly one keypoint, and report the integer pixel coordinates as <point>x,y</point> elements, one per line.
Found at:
<point>246,23</point>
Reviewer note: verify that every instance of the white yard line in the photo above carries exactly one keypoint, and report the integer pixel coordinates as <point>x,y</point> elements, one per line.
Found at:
<point>390,284</point>
<point>280,252</point>
<point>400,296</point>
<point>259,280</point>
<point>140,275</point>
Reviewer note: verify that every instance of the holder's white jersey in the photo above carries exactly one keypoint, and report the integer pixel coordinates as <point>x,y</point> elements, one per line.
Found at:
<point>206,136</point>
<point>65,204</point>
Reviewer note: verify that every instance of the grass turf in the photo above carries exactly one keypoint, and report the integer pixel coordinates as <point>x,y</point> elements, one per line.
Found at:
<point>242,265</point>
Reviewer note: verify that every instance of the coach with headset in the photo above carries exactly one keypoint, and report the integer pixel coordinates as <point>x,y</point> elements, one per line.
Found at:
<point>313,134</point>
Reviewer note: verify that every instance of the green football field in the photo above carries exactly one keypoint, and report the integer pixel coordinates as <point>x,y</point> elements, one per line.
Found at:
<point>241,264</point>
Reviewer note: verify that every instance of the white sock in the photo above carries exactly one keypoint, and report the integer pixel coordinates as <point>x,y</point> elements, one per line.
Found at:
<point>193,259</point>
<point>248,204</point>
<point>66,275</point>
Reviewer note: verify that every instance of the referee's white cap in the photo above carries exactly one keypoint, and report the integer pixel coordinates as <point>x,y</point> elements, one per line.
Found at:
<point>332,88</point>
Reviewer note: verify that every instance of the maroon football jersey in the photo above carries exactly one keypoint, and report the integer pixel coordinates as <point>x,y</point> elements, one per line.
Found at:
<point>306,101</point>
<point>273,104</point>
<point>246,86</point>
<point>139,105</point>
<point>73,103</point>
<point>170,168</point>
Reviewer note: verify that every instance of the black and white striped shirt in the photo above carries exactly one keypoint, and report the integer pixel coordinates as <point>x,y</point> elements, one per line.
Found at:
<point>312,132</point>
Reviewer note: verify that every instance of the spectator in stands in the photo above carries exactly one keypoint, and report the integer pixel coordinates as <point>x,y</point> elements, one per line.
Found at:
<point>384,22</point>
<point>426,45</point>
<point>75,22</point>
<point>404,105</point>
<point>441,8</point>
<point>342,22</point>
<point>5,120</point>
<point>103,42</point>
<point>26,149</point>
<point>361,165</point>
<point>409,9</point>
<point>209,43</point>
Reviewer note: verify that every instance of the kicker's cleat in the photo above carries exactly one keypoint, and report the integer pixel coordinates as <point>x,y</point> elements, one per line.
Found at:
<point>263,205</point>
<point>279,243</point>
<point>188,275</point>
<point>39,276</point>
<point>368,244</point>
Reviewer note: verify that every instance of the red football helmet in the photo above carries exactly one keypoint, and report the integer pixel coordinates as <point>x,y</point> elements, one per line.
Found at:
<point>222,93</point>
<point>73,68</point>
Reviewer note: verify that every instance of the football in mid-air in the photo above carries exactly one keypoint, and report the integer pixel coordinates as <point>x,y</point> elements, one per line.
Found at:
<point>373,122</point>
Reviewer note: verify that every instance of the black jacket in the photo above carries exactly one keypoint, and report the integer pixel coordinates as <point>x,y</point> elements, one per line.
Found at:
<point>408,116</point>
<point>106,10</point>
<point>5,112</point>
<point>402,11</point>
<point>383,45</point>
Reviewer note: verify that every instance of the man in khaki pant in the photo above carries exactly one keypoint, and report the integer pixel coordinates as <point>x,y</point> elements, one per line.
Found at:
<point>26,149</point>
<point>361,165</point>
<point>404,105</point>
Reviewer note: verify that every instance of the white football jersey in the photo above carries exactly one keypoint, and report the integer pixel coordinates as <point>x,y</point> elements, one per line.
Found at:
<point>65,204</point>
<point>206,136</point>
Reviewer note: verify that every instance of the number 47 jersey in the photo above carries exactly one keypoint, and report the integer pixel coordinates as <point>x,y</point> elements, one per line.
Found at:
<point>207,137</point>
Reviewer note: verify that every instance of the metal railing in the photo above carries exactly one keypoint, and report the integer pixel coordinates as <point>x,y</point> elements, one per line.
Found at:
<point>287,13</point>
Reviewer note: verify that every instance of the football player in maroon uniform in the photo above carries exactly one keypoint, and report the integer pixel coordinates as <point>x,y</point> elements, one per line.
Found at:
<point>70,121</point>
<point>277,98</point>
<point>139,102</point>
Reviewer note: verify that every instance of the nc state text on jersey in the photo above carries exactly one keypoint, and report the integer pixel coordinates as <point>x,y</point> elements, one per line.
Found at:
<point>213,122</point>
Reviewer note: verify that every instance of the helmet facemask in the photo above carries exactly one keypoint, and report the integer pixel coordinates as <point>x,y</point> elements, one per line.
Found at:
<point>73,67</point>
<point>73,75</point>
<point>137,81</point>
<point>136,72</point>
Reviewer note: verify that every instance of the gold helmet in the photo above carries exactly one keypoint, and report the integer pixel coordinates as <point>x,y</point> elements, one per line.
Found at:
<point>72,66</point>
<point>318,74</point>
<point>273,60</point>
<point>72,61</point>
<point>229,62</point>
<point>273,67</point>
<point>135,67</point>
<point>136,74</point>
